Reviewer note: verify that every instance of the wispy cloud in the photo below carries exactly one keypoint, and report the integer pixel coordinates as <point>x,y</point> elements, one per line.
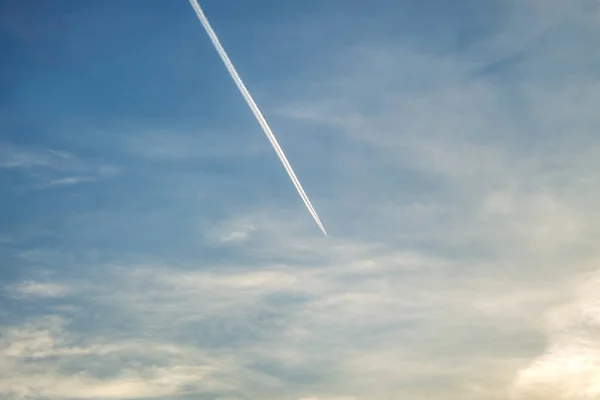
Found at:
<point>51,168</point>
<point>366,314</point>
<point>370,315</point>
<point>37,290</point>
<point>67,181</point>
<point>176,369</point>
<point>12,156</point>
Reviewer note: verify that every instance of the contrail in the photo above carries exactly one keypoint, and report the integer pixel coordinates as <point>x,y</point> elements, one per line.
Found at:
<point>255,110</point>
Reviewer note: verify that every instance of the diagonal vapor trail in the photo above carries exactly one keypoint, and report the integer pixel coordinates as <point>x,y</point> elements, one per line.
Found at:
<point>255,110</point>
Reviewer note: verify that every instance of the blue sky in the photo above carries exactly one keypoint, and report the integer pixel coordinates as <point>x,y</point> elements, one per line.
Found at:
<point>152,246</point>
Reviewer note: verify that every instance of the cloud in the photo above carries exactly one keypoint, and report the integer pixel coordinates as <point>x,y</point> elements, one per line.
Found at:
<point>359,319</point>
<point>465,139</point>
<point>49,168</point>
<point>36,290</point>
<point>65,369</point>
<point>66,181</point>
<point>366,316</point>
<point>569,368</point>
<point>12,156</point>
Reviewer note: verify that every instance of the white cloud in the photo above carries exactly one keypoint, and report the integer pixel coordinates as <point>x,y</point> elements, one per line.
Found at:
<point>52,168</point>
<point>152,382</point>
<point>377,319</point>
<point>570,366</point>
<point>53,347</point>
<point>372,321</point>
<point>35,290</point>
<point>12,157</point>
<point>234,231</point>
<point>66,181</point>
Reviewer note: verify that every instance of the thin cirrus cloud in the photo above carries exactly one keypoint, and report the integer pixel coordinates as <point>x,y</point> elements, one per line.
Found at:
<point>48,168</point>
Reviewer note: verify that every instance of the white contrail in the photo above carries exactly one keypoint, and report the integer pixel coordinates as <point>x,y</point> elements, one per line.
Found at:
<point>255,110</point>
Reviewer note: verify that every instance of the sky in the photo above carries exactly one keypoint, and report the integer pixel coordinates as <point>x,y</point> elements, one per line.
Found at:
<point>153,247</point>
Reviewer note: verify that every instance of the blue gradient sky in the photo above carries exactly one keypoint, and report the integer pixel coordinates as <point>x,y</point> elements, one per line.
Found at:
<point>152,246</point>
